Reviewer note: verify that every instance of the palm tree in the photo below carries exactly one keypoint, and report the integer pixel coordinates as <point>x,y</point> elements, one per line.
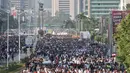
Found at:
<point>80,18</point>
<point>84,21</point>
<point>128,6</point>
<point>87,23</point>
<point>69,24</point>
<point>94,23</point>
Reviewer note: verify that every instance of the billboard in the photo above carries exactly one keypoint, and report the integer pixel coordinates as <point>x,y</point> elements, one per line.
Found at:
<point>117,16</point>
<point>85,35</point>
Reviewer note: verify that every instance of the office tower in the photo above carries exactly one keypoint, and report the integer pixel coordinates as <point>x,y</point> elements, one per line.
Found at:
<point>4,4</point>
<point>67,6</point>
<point>23,4</point>
<point>81,6</point>
<point>99,8</point>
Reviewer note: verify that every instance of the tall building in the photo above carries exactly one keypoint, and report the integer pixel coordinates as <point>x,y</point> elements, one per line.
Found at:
<point>123,4</point>
<point>99,8</point>
<point>67,6</point>
<point>3,15</point>
<point>23,4</point>
<point>3,8</point>
<point>4,4</point>
<point>81,6</point>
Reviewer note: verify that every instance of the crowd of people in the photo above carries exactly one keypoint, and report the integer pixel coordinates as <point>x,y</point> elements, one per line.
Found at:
<point>69,55</point>
<point>13,47</point>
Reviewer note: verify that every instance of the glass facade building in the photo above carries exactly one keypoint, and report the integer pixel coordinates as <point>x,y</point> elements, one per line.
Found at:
<point>67,6</point>
<point>99,8</point>
<point>4,6</point>
<point>81,6</point>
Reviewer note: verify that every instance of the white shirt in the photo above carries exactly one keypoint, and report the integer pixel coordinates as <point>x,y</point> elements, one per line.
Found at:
<point>80,71</point>
<point>86,71</point>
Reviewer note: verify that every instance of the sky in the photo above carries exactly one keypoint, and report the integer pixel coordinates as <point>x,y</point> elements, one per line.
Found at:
<point>47,3</point>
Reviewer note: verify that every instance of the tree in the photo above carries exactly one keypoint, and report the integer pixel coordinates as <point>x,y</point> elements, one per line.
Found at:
<point>69,24</point>
<point>93,23</point>
<point>13,24</point>
<point>122,37</point>
<point>98,38</point>
<point>59,18</point>
<point>128,6</point>
<point>81,18</point>
<point>88,23</point>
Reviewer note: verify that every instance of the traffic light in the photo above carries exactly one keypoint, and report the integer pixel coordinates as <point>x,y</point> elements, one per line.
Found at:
<point>41,8</point>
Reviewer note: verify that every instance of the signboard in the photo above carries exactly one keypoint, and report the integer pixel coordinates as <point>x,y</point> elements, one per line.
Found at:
<point>44,28</point>
<point>50,31</point>
<point>117,16</point>
<point>29,41</point>
<point>85,35</point>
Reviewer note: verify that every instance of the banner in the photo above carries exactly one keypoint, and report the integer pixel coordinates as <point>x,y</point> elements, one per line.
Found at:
<point>117,17</point>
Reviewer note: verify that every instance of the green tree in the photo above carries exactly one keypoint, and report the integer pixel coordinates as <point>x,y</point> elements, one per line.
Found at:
<point>13,24</point>
<point>59,18</point>
<point>98,38</point>
<point>93,23</point>
<point>122,37</point>
<point>69,24</point>
<point>81,18</point>
<point>128,6</point>
<point>88,23</point>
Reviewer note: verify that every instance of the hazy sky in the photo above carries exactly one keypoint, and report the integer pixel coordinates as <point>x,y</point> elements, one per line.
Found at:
<point>47,3</point>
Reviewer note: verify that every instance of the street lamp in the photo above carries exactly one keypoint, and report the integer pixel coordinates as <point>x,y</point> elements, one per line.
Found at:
<point>41,9</point>
<point>8,14</point>
<point>19,33</point>
<point>30,13</point>
<point>7,39</point>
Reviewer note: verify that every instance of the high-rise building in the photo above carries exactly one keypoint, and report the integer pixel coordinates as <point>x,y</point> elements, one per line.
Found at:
<point>23,4</point>
<point>99,8</point>
<point>123,4</point>
<point>3,8</point>
<point>81,6</point>
<point>67,6</point>
<point>4,4</point>
<point>3,15</point>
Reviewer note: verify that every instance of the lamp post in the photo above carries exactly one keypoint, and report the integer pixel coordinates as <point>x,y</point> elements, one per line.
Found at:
<point>30,19</point>
<point>41,20</point>
<point>110,33</point>
<point>8,14</point>
<point>7,39</point>
<point>19,45</point>
<point>19,35</point>
<point>7,51</point>
<point>7,54</point>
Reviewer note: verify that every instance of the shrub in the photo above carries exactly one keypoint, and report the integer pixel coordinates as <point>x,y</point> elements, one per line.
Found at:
<point>12,67</point>
<point>24,60</point>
